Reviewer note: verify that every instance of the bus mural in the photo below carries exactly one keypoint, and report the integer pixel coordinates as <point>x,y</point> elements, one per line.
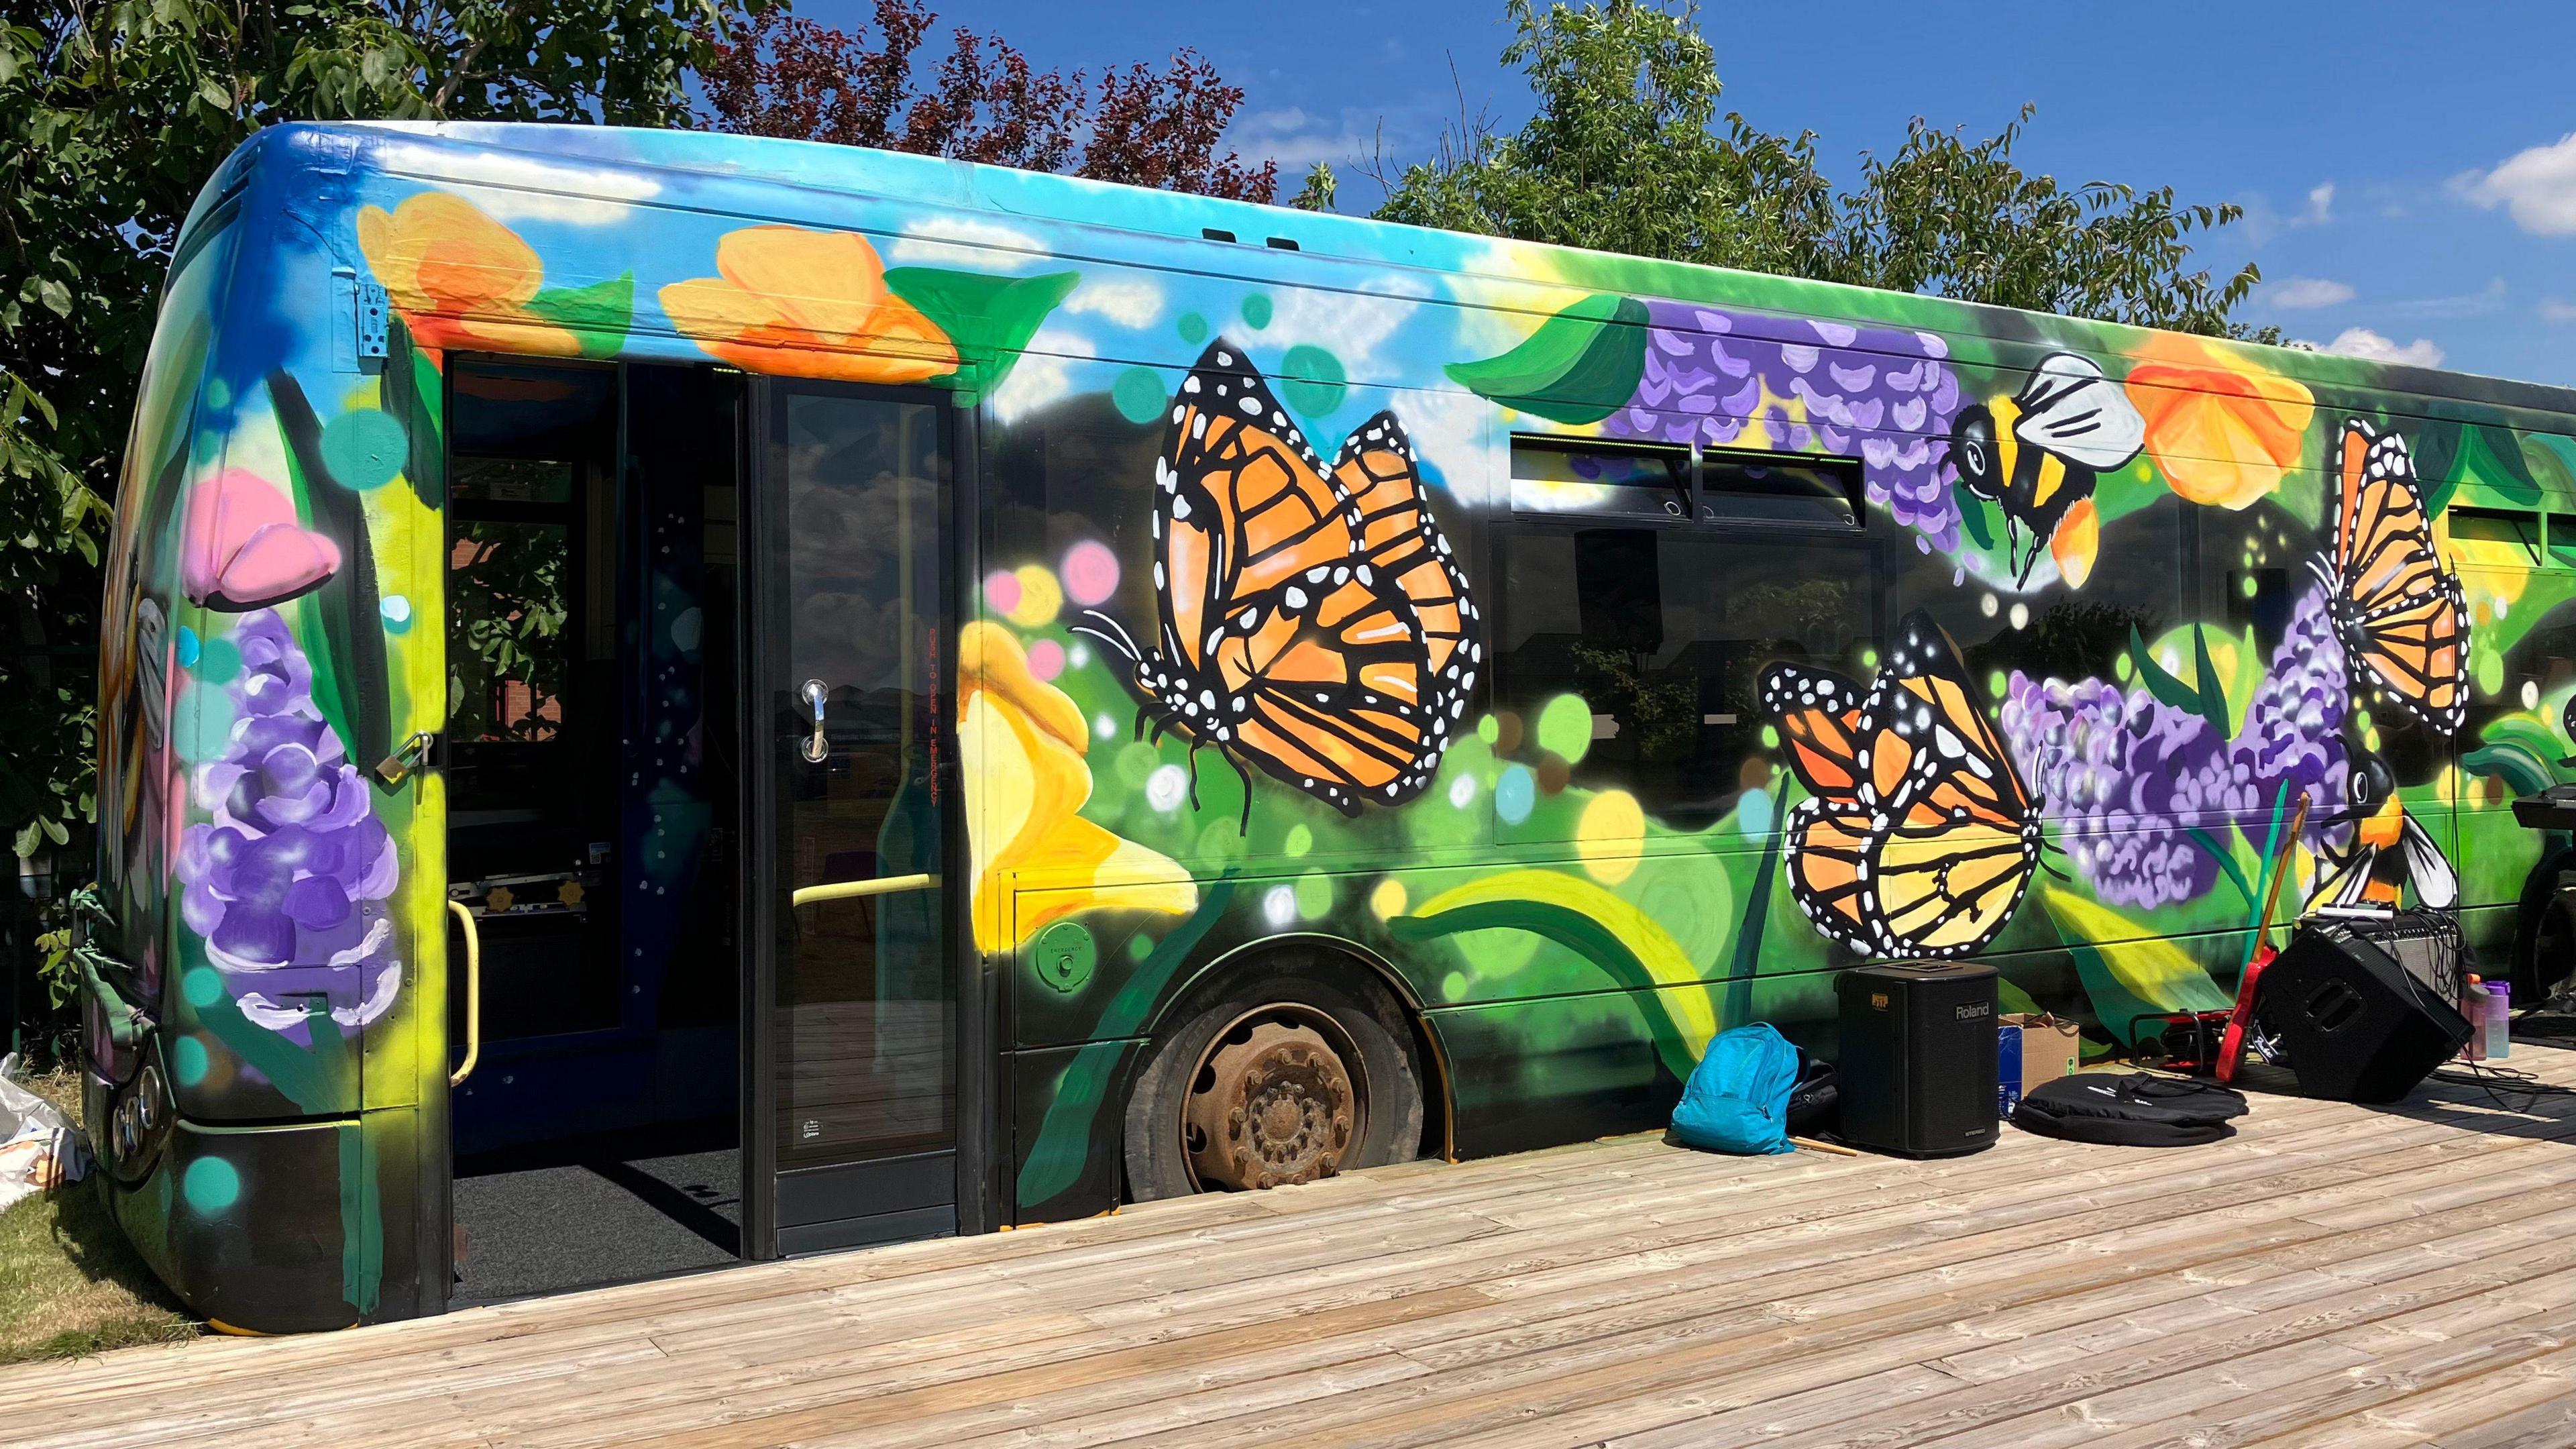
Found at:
<point>1651,643</point>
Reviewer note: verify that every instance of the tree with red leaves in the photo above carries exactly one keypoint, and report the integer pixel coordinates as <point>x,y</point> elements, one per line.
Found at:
<point>785,76</point>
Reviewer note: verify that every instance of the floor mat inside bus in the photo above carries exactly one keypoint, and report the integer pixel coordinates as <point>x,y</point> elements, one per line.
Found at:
<point>544,1229</point>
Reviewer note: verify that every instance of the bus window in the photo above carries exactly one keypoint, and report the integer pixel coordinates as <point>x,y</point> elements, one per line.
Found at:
<point>2497,537</point>
<point>1664,633</point>
<point>1757,489</point>
<point>1586,476</point>
<point>2562,540</point>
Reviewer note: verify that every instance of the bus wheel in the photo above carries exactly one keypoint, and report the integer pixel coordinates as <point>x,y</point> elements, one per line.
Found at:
<point>1303,1082</point>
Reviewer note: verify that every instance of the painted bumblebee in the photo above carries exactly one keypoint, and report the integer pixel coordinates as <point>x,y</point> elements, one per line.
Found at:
<point>2036,455</point>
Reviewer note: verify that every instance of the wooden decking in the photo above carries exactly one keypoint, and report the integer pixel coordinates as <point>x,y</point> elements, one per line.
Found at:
<point>2335,1276</point>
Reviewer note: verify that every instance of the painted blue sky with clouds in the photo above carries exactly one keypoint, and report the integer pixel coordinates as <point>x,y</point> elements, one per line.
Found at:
<point>2408,170</point>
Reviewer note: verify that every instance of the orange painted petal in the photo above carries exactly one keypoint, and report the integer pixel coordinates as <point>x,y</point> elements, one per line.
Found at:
<point>2073,545</point>
<point>823,282</point>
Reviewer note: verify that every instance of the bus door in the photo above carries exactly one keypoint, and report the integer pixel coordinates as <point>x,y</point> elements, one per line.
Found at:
<point>853,1062</point>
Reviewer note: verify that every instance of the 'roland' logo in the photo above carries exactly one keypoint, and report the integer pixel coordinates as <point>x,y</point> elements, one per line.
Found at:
<point>1971,1013</point>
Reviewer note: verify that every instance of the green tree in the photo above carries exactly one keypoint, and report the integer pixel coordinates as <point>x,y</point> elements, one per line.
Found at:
<point>1624,153</point>
<point>112,114</point>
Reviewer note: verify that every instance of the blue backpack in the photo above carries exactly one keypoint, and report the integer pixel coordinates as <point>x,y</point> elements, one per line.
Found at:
<point>1737,1099</point>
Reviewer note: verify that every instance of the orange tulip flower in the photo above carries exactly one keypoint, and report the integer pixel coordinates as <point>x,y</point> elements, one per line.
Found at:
<point>460,279</point>
<point>800,303</point>
<point>2224,430</point>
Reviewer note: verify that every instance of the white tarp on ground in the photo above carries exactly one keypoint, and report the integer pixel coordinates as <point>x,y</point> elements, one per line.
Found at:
<point>39,1149</point>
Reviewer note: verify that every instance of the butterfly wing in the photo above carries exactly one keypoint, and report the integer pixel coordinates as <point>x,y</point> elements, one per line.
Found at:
<point>1282,643</point>
<point>1402,542</point>
<point>1955,853</point>
<point>1818,712</point>
<point>2403,614</point>
<point>2069,408</point>
<point>1831,844</point>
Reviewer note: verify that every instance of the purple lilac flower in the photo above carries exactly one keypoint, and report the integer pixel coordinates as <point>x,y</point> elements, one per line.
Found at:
<point>287,881</point>
<point>2293,731</point>
<point>1883,393</point>
<point>2123,776</point>
<point>2114,772</point>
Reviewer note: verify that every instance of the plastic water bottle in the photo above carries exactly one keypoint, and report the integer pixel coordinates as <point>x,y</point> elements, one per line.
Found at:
<point>2498,1025</point>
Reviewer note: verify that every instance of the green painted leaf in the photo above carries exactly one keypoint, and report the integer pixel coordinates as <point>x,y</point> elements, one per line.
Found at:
<point>1972,515</point>
<point>2496,456</point>
<point>989,318</point>
<point>2167,689</point>
<point>2129,974</point>
<point>599,314</point>
<point>2213,695</point>
<point>2523,772</point>
<point>2548,466</point>
<point>1580,366</point>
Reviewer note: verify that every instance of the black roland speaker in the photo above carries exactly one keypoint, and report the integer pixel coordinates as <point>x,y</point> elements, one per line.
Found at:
<point>2357,1024</point>
<point>1917,1064</point>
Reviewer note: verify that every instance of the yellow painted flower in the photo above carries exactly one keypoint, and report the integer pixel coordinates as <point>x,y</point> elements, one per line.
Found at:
<point>1021,741</point>
<point>460,279</point>
<point>800,303</point>
<point>2224,430</point>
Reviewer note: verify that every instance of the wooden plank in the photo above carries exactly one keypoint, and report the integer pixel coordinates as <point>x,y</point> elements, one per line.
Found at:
<point>2331,1266</point>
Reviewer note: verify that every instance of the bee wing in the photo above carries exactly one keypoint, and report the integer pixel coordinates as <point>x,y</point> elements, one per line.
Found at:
<point>2436,884</point>
<point>2069,408</point>
<point>2341,882</point>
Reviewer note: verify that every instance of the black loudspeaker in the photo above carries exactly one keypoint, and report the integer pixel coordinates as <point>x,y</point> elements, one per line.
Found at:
<point>2357,1025</point>
<point>1917,1066</point>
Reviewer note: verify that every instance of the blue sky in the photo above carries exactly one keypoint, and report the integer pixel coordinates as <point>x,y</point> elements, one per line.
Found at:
<point>2408,171</point>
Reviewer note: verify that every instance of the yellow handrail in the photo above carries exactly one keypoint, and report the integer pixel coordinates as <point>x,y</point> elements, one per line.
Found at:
<point>473,996</point>
<point>843,890</point>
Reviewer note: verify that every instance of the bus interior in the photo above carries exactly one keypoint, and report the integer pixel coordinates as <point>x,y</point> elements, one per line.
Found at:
<point>592,774</point>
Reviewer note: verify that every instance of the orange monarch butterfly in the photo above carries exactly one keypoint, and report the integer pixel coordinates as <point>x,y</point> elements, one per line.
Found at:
<point>1917,837</point>
<point>1312,621</point>
<point>2395,607</point>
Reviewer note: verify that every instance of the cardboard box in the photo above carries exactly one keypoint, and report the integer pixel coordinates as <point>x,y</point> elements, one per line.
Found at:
<point>2051,1047</point>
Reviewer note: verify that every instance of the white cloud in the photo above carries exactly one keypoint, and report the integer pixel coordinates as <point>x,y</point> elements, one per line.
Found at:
<point>2294,293</point>
<point>513,187</point>
<point>2485,301</point>
<point>2553,310</point>
<point>1349,325</point>
<point>1297,139</point>
<point>942,241</point>
<point>1125,301</point>
<point>2536,186</point>
<point>2363,343</point>
<point>1043,375</point>
<point>2262,221</point>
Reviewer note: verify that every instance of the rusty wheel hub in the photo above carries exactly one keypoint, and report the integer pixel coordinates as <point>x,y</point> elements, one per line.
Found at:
<point>1272,1105</point>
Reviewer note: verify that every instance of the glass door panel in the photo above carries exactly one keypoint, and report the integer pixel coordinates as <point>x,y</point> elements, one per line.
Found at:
<point>863,1038</point>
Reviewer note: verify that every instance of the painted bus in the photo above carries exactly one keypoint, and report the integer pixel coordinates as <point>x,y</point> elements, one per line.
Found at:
<point>672,698</point>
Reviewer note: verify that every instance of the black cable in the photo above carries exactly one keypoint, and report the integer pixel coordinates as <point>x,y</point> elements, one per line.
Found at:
<point>2498,1082</point>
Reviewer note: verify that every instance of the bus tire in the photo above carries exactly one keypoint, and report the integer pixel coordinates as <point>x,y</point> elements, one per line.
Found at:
<point>1285,1079</point>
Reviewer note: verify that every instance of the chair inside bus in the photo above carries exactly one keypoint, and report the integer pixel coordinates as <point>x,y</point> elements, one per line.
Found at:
<point>590,776</point>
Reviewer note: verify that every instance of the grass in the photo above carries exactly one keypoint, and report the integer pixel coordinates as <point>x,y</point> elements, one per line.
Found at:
<point>70,1284</point>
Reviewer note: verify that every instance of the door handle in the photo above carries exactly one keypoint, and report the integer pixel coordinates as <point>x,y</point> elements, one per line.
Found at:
<point>843,890</point>
<point>814,694</point>
<point>473,996</point>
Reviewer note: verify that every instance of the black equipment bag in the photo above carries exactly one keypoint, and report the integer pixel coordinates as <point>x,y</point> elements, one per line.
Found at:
<point>2138,1110</point>
<point>1815,1101</point>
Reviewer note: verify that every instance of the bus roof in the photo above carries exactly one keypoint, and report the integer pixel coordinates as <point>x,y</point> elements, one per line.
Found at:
<point>619,164</point>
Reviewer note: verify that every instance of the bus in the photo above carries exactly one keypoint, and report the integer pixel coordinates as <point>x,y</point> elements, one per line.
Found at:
<point>673,698</point>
